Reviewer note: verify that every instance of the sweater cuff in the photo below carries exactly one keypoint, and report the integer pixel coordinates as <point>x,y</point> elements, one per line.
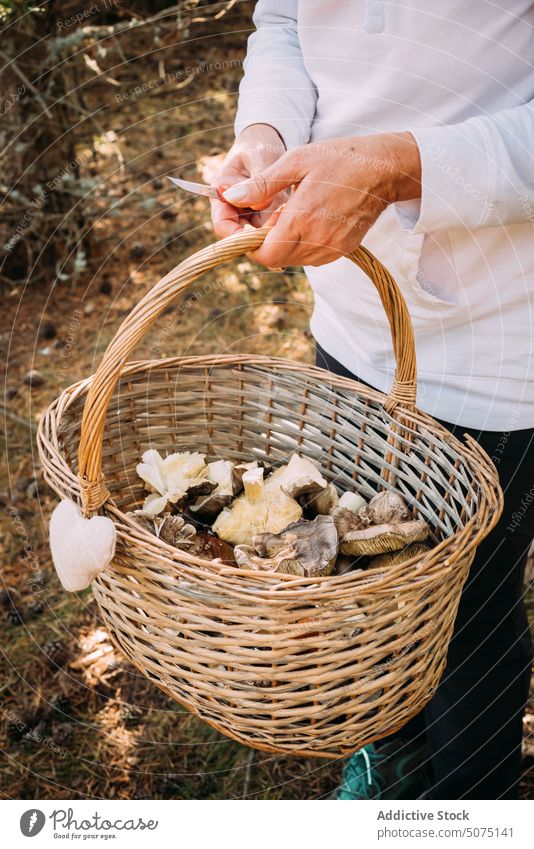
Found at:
<point>457,177</point>
<point>293,131</point>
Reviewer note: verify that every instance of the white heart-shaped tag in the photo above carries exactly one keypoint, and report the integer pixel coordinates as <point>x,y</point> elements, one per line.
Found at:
<point>80,547</point>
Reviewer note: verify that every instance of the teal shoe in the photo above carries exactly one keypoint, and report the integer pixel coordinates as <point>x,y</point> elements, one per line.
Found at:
<point>391,771</point>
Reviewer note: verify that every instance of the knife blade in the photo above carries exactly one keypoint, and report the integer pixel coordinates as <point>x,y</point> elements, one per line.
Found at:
<point>196,188</point>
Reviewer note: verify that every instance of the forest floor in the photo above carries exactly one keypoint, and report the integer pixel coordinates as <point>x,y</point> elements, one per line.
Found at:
<point>78,720</point>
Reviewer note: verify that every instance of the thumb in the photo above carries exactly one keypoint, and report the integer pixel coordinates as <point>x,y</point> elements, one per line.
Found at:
<point>259,191</point>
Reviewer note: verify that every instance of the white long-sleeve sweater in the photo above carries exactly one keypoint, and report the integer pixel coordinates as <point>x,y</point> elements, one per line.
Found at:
<point>460,77</point>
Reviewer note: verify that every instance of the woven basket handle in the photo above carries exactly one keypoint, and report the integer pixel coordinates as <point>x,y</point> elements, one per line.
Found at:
<point>93,490</point>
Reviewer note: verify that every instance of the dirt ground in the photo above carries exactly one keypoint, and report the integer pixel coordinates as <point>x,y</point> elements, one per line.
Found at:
<point>77,720</point>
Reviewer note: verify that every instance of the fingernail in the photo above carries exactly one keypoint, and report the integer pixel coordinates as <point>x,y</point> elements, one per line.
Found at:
<point>235,193</point>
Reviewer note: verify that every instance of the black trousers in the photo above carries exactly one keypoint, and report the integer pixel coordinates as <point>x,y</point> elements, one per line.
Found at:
<point>473,724</point>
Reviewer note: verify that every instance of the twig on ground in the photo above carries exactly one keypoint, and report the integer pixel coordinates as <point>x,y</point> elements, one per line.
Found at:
<point>14,417</point>
<point>248,770</point>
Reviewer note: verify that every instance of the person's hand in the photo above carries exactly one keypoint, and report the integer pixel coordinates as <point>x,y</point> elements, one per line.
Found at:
<point>341,186</point>
<point>255,149</point>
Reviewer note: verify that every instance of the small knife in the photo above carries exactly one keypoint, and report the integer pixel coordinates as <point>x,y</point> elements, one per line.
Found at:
<point>198,188</point>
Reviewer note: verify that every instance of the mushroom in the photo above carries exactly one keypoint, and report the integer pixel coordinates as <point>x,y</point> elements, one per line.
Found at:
<point>392,558</point>
<point>298,477</point>
<point>140,519</point>
<point>347,513</point>
<point>241,468</point>
<point>304,548</point>
<point>391,536</point>
<point>220,473</point>
<point>176,531</point>
<point>173,530</point>
<point>247,558</point>
<point>385,507</point>
<point>352,501</point>
<point>383,525</point>
<point>321,503</point>
<point>169,480</point>
<point>346,521</point>
<point>262,507</point>
<point>210,547</point>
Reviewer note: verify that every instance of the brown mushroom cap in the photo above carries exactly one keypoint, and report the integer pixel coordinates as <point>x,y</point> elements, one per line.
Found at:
<point>377,539</point>
<point>391,558</point>
<point>224,488</point>
<point>210,547</point>
<point>175,531</point>
<point>347,521</point>
<point>385,507</point>
<point>172,529</point>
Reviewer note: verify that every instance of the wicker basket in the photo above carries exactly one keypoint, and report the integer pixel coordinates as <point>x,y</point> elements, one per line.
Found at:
<point>284,664</point>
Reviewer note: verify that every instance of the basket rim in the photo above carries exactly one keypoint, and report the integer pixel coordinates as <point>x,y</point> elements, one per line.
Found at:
<point>462,542</point>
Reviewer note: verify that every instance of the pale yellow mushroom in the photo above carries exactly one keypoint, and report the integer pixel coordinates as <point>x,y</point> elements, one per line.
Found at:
<point>260,508</point>
<point>240,469</point>
<point>170,479</point>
